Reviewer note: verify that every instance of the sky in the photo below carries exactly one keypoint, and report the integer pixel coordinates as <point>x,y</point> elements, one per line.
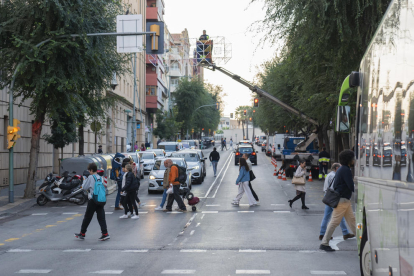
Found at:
<point>230,19</point>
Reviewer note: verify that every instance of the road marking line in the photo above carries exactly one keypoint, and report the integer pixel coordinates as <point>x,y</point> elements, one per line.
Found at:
<point>177,271</point>
<point>48,226</point>
<point>202,216</point>
<point>39,271</point>
<point>213,205</point>
<point>252,271</point>
<point>218,176</point>
<point>192,250</point>
<point>136,251</point>
<point>245,211</point>
<point>314,272</point>
<point>1,244</point>
<point>251,251</point>
<point>39,214</point>
<point>148,205</point>
<point>109,213</point>
<point>12,239</point>
<point>334,242</point>
<point>224,174</point>
<point>107,272</point>
<point>77,215</point>
<point>244,204</point>
<point>312,251</point>
<point>198,224</point>
<point>58,207</point>
<point>282,212</point>
<point>192,232</point>
<point>77,250</point>
<point>175,212</point>
<point>209,212</point>
<point>278,204</point>
<point>19,250</point>
<point>73,213</point>
<point>143,212</point>
<point>68,218</point>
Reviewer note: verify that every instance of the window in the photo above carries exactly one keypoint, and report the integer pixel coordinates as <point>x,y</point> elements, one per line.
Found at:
<point>174,82</point>
<point>175,66</point>
<point>151,90</point>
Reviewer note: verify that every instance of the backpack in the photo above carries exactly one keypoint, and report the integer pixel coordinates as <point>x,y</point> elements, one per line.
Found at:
<point>99,192</point>
<point>114,174</point>
<point>182,174</point>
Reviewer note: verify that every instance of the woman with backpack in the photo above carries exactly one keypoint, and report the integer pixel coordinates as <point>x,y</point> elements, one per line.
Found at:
<point>243,182</point>
<point>300,188</point>
<point>130,187</point>
<point>93,185</point>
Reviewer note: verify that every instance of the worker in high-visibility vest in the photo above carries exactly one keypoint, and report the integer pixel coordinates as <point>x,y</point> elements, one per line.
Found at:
<point>324,159</point>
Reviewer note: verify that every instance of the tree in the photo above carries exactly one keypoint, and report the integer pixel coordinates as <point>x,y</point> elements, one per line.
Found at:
<point>61,75</point>
<point>167,126</point>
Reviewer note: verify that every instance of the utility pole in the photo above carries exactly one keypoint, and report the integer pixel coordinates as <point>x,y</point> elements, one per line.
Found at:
<point>247,128</point>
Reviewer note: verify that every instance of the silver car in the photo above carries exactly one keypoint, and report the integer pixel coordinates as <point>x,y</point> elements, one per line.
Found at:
<point>156,176</point>
<point>149,160</point>
<point>138,161</point>
<point>160,153</point>
<point>194,163</point>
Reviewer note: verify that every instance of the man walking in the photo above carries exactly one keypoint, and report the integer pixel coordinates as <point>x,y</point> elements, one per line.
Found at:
<point>173,181</point>
<point>214,158</point>
<point>165,185</point>
<point>344,185</point>
<point>225,143</point>
<point>245,156</point>
<point>324,159</point>
<point>231,143</point>
<point>328,210</point>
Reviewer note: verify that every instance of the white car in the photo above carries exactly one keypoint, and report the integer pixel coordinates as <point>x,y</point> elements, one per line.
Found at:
<point>156,176</point>
<point>149,160</point>
<point>137,160</point>
<point>160,153</point>
<point>194,163</point>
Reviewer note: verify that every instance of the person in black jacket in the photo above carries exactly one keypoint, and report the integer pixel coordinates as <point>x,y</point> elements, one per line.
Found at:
<point>131,187</point>
<point>214,158</point>
<point>344,185</point>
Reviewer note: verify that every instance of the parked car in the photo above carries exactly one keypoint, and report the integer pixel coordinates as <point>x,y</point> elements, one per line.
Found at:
<point>376,157</point>
<point>149,160</point>
<point>156,176</point>
<point>138,161</point>
<point>169,146</point>
<point>245,149</point>
<point>194,163</point>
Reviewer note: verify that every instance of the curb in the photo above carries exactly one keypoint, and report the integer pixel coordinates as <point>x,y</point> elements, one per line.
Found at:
<point>9,210</point>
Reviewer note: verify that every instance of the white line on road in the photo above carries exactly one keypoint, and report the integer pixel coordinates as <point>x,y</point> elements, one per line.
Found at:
<point>213,205</point>
<point>143,212</point>
<point>136,251</point>
<point>175,212</point>
<point>192,232</point>
<point>253,272</point>
<point>178,271</point>
<point>314,272</point>
<point>224,174</point>
<point>19,250</point>
<point>311,251</point>
<point>244,205</point>
<point>148,205</point>
<point>209,212</point>
<point>107,272</point>
<point>77,250</point>
<point>39,214</point>
<point>198,224</point>
<point>212,184</point>
<point>282,212</point>
<point>245,211</point>
<point>109,213</point>
<point>251,251</point>
<point>192,250</point>
<point>38,271</point>
<point>202,216</point>
<point>73,213</point>
<point>57,207</point>
<point>278,204</point>
<point>334,242</point>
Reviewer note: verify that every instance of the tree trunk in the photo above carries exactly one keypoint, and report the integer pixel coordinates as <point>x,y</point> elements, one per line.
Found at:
<point>61,153</point>
<point>81,140</point>
<point>247,129</point>
<point>320,137</point>
<point>30,190</point>
<point>326,139</point>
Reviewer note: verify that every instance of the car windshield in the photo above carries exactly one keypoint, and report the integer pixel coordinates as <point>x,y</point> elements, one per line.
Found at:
<point>245,150</point>
<point>186,145</point>
<point>403,151</point>
<point>159,164</point>
<point>188,157</point>
<point>135,157</point>
<point>146,156</point>
<point>192,143</point>
<point>168,147</point>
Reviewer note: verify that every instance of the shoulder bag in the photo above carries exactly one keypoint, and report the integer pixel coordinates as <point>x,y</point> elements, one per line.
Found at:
<point>298,180</point>
<point>331,197</point>
<point>252,176</point>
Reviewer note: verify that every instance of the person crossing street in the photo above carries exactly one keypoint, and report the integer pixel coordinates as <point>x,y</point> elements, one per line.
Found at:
<point>324,158</point>
<point>245,156</point>
<point>173,180</point>
<point>214,158</point>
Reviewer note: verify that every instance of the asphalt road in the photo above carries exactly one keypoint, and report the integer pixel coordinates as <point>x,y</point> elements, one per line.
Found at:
<point>218,239</point>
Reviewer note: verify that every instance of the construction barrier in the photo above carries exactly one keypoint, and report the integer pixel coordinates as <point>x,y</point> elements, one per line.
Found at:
<point>280,174</point>
<point>310,178</point>
<point>284,176</point>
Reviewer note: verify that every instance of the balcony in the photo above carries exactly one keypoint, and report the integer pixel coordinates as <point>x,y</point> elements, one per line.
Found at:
<point>151,79</point>
<point>152,14</point>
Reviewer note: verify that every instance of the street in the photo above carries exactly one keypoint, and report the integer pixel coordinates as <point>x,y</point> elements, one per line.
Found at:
<point>218,239</point>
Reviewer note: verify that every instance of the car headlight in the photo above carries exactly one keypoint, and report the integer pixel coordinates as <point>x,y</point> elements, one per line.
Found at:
<point>196,167</point>
<point>152,177</point>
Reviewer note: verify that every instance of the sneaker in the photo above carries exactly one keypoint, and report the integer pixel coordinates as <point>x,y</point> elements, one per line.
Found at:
<point>166,210</point>
<point>130,214</point>
<point>235,203</point>
<point>159,208</point>
<point>118,208</point>
<point>349,236</point>
<point>104,237</point>
<point>135,217</point>
<point>326,248</point>
<point>321,237</point>
<point>124,217</point>
<point>80,236</point>
<point>182,210</point>
<point>257,203</point>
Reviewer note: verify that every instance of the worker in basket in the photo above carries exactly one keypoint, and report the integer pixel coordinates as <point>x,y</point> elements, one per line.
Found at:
<point>204,48</point>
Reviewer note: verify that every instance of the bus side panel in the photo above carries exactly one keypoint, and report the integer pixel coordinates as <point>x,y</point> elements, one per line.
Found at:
<point>406,231</point>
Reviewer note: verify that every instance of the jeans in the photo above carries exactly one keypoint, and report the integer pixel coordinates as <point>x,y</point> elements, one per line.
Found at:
<point>214,163</point>
<point>164,198</point>
<point>175,195</point>
<point>118,195</point>
<point>90,211</point>
<point>327,218</point>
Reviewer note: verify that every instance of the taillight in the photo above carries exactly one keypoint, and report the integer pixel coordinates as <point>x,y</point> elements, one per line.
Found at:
<point>391,155</point>
<point>383,156</point>
<point>405,155</point>
<point>237,153</point>
<point>253,153</point>
<point>373,155</point>
<point>367,155</point>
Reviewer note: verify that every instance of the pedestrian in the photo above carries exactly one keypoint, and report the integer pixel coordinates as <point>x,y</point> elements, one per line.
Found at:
<point>165,185</point>
<point>222,144</point>
<point>135,171</point>
<point>243,182</point>
<point>124,201</point>
<point>100,149</point>
<point>245,156</point>
<point>231,143</point>
<point>147,145</point>
<point>300,189</point>
<point>344,185</point>
<point>120,174</point>
<point>324,159</point>
<point>142,147</point>
<point>225,143</point>
<point>130,188</point>
<point>173,182</point>
<point>328,210</point>
<point>214,158</point>
<point>136,146</point>
<point>92,208</point>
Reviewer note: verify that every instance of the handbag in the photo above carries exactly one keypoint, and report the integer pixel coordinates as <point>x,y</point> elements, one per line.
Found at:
<point>252,176</point>
<point>298,180</point>
<point>331,197</point>
<point>170,190</point>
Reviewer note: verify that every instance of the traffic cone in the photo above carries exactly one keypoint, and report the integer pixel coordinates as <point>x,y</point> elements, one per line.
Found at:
<point>310,178</point>
<point>280,175</point>
<point>275,173</point>
<point>284,176</point>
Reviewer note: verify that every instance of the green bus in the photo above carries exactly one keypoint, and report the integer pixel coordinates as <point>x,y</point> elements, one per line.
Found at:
<point>384,144</point>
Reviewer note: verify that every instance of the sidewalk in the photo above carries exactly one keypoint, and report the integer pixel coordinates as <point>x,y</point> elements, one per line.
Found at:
<point>19,203</point>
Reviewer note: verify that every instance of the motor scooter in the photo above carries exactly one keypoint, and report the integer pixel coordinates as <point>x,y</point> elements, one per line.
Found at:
<point>65,188</point>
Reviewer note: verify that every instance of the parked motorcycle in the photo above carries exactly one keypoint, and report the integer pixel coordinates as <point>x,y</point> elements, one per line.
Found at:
<point>65,188</point>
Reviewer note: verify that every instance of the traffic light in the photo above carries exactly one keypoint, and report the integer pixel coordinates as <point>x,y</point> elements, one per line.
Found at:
<point>217,106</point>
<point>231,115</point>
<point>250,118</point>
<point>245,112</point>
<point>256,102</point>
<point>13,134</point>
<point>154,37</point>
<point>202,129</point>
<point>254,111</point>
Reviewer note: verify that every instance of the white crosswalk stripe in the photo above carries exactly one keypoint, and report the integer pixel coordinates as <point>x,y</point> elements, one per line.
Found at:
<point>39,214</point>
<point>314,272</point>
<point>18,250</point>
<point>107,272</point>
<point>34,271</point>
<point>178,271</point>
<point>253,272</point>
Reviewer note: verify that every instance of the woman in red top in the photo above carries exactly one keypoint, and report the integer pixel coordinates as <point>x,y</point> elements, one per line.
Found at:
<point>142,147</point>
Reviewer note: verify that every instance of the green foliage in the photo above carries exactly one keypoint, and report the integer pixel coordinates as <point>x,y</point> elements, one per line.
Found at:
<point>63,131</point>
<point>167,126</point>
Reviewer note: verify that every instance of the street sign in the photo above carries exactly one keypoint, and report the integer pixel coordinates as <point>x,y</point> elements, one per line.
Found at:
<point>129,23</point>
<point>138,126</point>
<point>96,126</point>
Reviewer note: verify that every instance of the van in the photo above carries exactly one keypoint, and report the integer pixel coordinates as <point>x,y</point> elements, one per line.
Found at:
<point>169,146</point>
<point>278,141</point>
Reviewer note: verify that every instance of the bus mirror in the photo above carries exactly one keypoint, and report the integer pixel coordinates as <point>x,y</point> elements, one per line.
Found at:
<point>354,79</point>
<point>342,119</point>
